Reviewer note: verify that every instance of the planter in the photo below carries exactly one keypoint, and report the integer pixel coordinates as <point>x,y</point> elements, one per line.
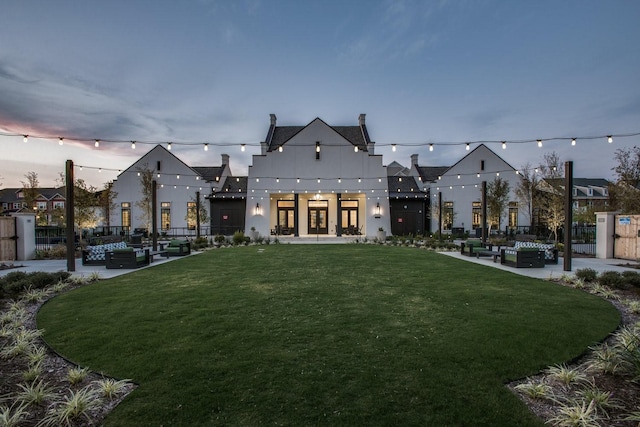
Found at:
<point>254,235</point>
<point>382,235</point>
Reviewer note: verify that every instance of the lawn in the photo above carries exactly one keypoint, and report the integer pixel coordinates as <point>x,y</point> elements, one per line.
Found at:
<point>323,335</point>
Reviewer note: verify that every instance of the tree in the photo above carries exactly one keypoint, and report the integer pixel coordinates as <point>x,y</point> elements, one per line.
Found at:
<point>526,190</point>
<point>550,198</point>
<point>107,201</point>
<point>191,216</point>
<point>84,208</point>
<point>497,201</point>
<point>30,190</point>
<point>624,195</point>
<point>145,202</point>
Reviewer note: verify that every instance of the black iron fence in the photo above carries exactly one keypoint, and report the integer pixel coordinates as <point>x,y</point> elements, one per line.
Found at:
<point>583,238</point>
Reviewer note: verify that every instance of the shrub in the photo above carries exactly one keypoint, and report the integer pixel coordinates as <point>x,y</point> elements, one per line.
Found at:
<point>15,283</point>
<point>535,390</point>
<point>587,274</point>
<point>220,239</point>
<point>238,238</point>
<point>612,279</point>
<point>77,375</point>
<point>199,243</point>
<point>631,279</point>
<point>71,408</point>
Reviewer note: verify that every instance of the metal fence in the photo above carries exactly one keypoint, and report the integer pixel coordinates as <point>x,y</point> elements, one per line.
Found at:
<point>583,237</point>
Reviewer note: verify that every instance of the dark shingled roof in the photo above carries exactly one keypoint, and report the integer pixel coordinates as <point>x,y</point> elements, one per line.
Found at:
<point>209,173</point>
<point>431,173</point>
<point>404,186</point>
<point>233,185</point>
<point>279,135</point>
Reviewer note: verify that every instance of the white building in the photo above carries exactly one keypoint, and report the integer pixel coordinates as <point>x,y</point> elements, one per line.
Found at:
<point>317,180</point>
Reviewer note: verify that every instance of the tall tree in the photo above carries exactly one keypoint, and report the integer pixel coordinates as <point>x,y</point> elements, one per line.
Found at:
<point>550,198</point>
<point>30,190</point>
<point>624,195</point>
<point>497,201</point>
<point>526,190</point>
<point>145,202</point>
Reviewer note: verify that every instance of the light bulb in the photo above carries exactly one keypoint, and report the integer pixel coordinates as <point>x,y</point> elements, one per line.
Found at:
<point>610,139</point>
<point>242,147</point>
<point>25,138</point>
<point>504,145</point>
<point>280,149</point>
<point>355,149</point>
<point>468,147</point>
<point>430,147</point>
<point>133,145</point>
<point>539,143</point>
<point>573,141</point>
<point>61,141</point>
<point>206,147</point>
<point>393,147</point>
<point>169,146</point>
<point>97,143</point>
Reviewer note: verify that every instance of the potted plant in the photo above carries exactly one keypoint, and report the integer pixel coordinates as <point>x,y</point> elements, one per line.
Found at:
<point>254,234</point>
<point>382,235</point>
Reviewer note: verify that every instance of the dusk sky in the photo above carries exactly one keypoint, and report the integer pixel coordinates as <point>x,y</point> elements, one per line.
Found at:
<point>423,72</point>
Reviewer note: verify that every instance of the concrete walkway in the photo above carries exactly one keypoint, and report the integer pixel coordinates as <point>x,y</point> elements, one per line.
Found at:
<point>54,265</point>
<point>551,271</point>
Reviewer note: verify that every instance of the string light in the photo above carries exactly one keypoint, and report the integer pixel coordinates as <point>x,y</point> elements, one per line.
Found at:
<point>25,138</point>
<point>280,149</point>
<point>504,145</point>
<point>393,147</point>
<point>468,147</point>
<point>133,145</point>
<point>430,147</point>
<point>169,146</point>
<point>573,142</point>
<point>609,139</point>
<point>61,141</point>
<point>355,148</point>
<point>242,147</point>
<point>539,143</point>
<point>206,147</point>
<point>97,143</point>
<point>317,147</point>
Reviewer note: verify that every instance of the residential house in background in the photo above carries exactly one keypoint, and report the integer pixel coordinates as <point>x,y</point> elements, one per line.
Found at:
<point>48,205</point>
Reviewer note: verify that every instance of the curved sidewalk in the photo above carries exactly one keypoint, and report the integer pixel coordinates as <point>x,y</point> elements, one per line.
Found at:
<point>552,271</point>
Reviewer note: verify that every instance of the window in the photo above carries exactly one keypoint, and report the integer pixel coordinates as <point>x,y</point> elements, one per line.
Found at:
<point>513,214</point>
<point>158,164</point>
<point>317,150</point>
<point>286,216</point>
<point>481,165</point>
<point>165,215</point>
<point>605,192</point>
<point>42,206</point>
<point>476,214</point>
<point>191,215</point>
<point>589,191</point>
<point>447,215</point>
<point>58,204</point>
<point>125,214</point>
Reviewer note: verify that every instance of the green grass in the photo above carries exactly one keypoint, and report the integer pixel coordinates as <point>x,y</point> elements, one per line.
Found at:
<point>323,335</point>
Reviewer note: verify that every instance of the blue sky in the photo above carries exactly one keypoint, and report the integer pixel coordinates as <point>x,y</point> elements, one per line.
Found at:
<point>212,71</point>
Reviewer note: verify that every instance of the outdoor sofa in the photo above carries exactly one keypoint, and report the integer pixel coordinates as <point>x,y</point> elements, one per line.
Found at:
<point>177,247</point>
<point>127,258</point>
<point>95,255</point>
<point>550,251</point>
<point>522,257</point>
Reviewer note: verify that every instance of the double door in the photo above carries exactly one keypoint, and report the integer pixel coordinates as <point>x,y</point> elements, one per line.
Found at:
<point>318,217</point>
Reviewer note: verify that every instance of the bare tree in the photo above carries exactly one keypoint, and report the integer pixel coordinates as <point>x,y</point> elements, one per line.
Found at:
<point>497,201</point>
<point>526,190</point>
<point>84,208</point>
<point>550,198</point>
<point>192,216</point>
<point>624,195</point>
<point>30,190</point>
<point>107,201</point>
<point>146,188</point>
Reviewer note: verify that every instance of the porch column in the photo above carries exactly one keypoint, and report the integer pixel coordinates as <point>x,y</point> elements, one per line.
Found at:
<point>296,199</point>
<point>339,219</point>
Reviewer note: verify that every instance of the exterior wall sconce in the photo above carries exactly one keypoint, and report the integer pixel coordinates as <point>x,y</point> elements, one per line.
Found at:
<point>377,211</point>
<point>258,209</point>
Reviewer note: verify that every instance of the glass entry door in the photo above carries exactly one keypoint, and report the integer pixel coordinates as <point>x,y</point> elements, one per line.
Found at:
<point>318,217</point>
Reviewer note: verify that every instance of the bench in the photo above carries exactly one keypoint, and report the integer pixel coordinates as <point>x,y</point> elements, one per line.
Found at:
<point>126,258</point>
<point>494,254</point>
<point>162,253</point>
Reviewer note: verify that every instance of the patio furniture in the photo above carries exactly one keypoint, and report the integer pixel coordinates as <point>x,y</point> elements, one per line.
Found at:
<point>522,257</point>
<point>550,251</point>
<point>126,258</point>
<point>471,247</point>
<point>95,255</point>
<point>178,247</point>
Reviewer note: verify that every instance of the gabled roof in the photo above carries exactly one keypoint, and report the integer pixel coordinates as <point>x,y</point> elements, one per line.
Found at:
<point>11,194</point>
<point>280,135</point>
<point>149,153</point>
<point>396,169</point>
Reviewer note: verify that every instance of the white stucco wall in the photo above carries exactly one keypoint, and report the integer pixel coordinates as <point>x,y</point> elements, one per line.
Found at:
<point>467,189</point>
<point>275,176</point>
<point>177,191</point>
